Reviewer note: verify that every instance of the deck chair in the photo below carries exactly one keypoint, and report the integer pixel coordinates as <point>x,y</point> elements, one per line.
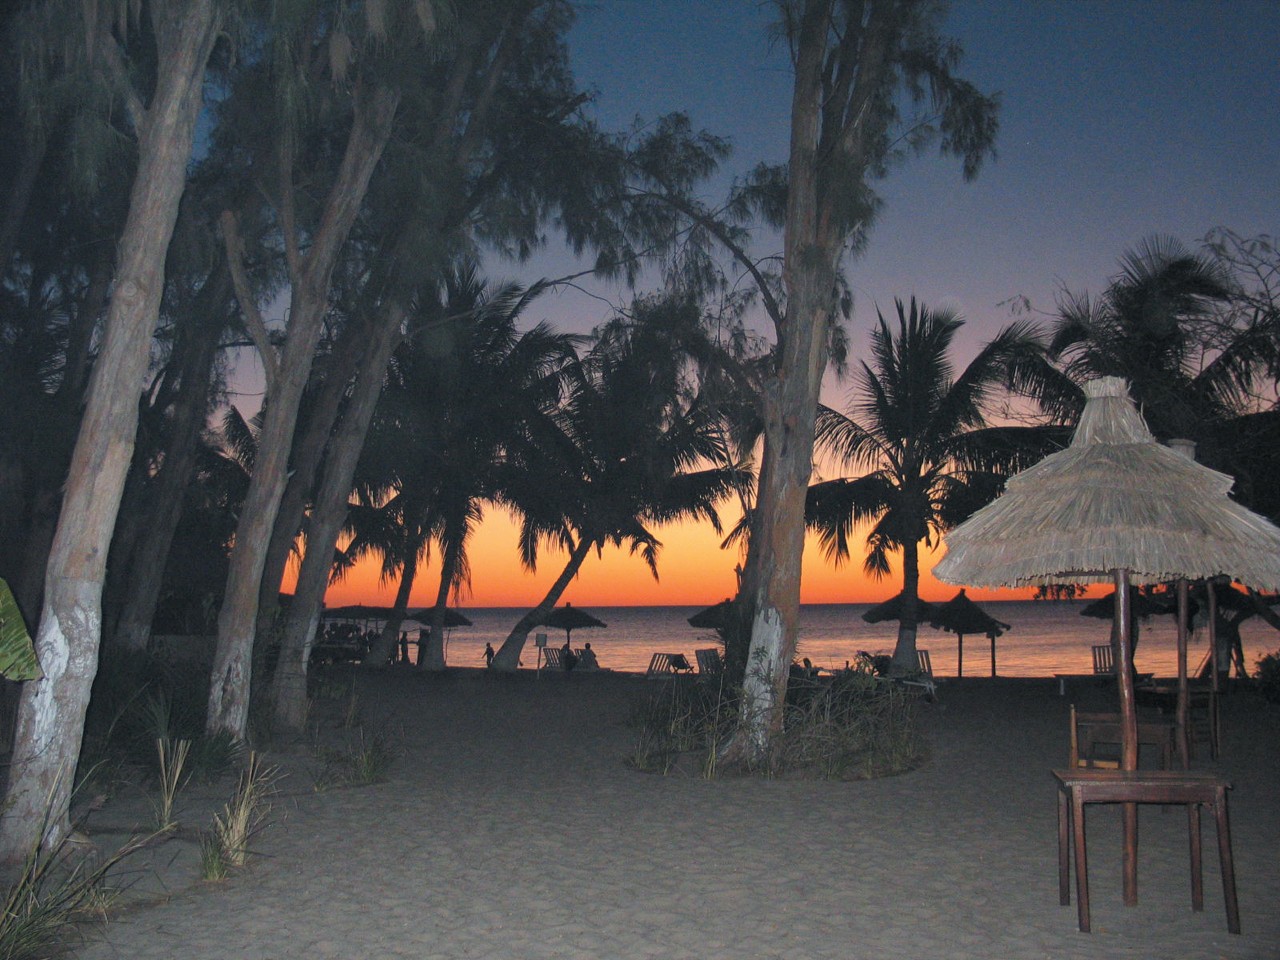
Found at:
<point>551,659</point>
<point>924,680</point>
<point>709,662</point>
<point>1102,662</point>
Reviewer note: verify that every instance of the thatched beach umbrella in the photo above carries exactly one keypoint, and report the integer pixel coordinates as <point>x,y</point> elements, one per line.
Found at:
<point>1115,506</point>
<point>569,618</point>
<point>713,618</point>
<point>960,615</point>
<point>891,609</point>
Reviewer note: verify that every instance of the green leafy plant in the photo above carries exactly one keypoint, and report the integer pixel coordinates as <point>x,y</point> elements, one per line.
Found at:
<point>17,652</point>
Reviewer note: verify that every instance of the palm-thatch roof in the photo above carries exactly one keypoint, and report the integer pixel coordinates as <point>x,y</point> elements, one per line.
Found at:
<point>891,609</point>
<point>1114,499</point>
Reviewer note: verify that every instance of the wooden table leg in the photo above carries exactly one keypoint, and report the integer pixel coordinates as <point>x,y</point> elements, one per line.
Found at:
<point>1082,868</point>
<point>1197,878</point>
<point>1064,869</point>
<point>1226,863</point>
<point>1130,854</point>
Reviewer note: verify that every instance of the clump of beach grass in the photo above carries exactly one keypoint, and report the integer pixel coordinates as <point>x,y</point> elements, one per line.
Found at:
<point>55,887</point>
<point>172,759</point>
<point>853,726</point>
<point>361,761</point>
<point>245,814</point>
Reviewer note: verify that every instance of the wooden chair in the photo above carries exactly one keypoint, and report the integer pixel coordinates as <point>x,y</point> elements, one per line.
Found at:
<point>1102,662</point>
<point>709,662</point>
<point>1090,729</point>
<point>923,681</point>
<point>551,659</point>
<point>666,664</point>
<point>926,663</point>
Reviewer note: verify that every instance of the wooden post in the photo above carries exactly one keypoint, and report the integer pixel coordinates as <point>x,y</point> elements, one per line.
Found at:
<point>1184,692</point>
<point>959,654</point>
<point>993,654</point>
<point>1128,729</point>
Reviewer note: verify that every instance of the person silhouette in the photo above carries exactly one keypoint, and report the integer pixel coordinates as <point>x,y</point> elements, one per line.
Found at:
<point>588,659</point>
<point>568,659</point>
<point>488,654</point>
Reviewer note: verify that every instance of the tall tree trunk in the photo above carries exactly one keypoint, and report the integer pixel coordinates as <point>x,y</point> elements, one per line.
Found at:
<point>384,647</point>
<point>810,256</point>
<point>433,657</point>
<point>507,658</point>
<point>304,463</point>
<point>232,665</point>
<point>146,566</point>
<point>905,658</point>
<point>51,712</point>
<point>290,684</point>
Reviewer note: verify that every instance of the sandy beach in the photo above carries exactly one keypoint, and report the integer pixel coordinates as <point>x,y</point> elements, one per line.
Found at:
<point>511,828</point>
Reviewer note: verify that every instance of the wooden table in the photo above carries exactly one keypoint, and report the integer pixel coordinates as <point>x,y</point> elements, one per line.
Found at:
<point>1195,789</point>
<point>1095,728</point>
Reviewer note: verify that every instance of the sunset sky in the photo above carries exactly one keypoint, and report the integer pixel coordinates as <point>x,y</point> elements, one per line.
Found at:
<point>1119,120</point>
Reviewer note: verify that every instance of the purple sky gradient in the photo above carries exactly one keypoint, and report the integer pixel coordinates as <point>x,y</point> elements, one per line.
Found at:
<point>1120,119</point>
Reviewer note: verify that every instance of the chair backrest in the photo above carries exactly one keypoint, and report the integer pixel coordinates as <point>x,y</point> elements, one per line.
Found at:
<point>551,657</point>
<point>926,664</point>
<point>1075,740</point>
<point>1102,659</point>
<point>709,661</point>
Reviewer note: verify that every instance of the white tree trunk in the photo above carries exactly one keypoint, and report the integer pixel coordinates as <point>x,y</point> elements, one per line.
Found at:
<point>51,712</point>
<point>232,665</point>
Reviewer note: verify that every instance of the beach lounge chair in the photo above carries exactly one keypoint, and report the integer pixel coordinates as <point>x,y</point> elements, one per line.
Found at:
<point>709,662</point>
<point>551,659</point>
<point>923,681</point>
<point>1102,662</point>
<point>666,664</point>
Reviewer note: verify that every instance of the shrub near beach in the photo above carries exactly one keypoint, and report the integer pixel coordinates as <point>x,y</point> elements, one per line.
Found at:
<point>850,727</point>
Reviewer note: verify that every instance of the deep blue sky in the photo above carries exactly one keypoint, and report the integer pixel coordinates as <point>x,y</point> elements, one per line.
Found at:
<point>1120,119</point>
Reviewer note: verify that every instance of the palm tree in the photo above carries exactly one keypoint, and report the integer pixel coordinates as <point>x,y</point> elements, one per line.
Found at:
<point>1159,325</point>
<point>635,445</point>
<point>922,437</point>
<point>460,393</point>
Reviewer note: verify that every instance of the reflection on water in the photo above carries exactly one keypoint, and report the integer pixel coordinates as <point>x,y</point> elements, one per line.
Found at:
<point>1046,638</point>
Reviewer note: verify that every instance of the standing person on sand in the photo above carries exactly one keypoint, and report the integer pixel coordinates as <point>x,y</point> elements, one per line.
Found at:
<point>488,655</point>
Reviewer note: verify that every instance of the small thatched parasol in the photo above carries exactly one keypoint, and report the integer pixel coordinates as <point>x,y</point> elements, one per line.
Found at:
<point>1116,506</point>
<point>960,615</point>
<point>714,617</point>
<point>452,617</point>
<point>569,618</point>
<point>891,609</point>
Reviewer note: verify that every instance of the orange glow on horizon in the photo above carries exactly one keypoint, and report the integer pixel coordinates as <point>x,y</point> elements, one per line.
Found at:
<point>693,570</point>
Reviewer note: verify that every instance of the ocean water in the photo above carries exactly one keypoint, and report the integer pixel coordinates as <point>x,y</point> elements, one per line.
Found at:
<point>1044,638</point>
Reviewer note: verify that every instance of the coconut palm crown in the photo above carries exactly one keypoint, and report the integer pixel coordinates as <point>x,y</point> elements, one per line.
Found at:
<point>919,436</point>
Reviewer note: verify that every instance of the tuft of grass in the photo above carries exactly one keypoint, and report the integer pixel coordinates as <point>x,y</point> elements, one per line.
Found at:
<point>854,726</point>
<point>245,814</point>
<point>171,756</point>
<point>213,864</point>
<point>55,888</point>
<point>361,762</point>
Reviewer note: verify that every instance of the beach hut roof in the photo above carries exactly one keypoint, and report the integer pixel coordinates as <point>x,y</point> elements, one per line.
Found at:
<point>961,615</point>
<point>713,617</point>
<point>891,609</point>
<point>1114,499</point>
